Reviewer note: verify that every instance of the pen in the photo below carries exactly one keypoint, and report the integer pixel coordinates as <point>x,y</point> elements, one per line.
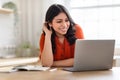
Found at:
<point>54,69</point>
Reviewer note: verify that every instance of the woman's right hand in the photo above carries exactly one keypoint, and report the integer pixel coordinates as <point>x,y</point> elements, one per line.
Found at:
<point>46,30</point>
<point>46,54</point>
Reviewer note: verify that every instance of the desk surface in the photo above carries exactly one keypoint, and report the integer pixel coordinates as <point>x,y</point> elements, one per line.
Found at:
<point>59,74</point>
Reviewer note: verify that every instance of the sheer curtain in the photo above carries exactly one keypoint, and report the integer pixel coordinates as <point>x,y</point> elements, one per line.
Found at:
<point>30,19</point>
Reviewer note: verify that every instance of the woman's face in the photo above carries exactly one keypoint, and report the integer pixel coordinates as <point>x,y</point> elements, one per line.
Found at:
<point>60,24</point>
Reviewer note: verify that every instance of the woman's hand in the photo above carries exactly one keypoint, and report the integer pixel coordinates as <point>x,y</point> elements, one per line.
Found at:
<point>46,30</point>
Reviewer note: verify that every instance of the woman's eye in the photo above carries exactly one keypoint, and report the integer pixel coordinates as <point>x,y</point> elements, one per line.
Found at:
<point>66,20</point>
<point>59,21</point>
<point>62,21</point>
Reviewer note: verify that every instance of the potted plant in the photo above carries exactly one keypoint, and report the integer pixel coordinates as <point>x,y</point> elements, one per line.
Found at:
<point>26,49</point>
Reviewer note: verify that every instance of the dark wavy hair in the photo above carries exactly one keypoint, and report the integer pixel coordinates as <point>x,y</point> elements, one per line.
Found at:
<point>52,12</point>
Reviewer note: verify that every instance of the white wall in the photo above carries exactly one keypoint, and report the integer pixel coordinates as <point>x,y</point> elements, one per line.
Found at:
<point>6,30</point>
<point>7,38</point>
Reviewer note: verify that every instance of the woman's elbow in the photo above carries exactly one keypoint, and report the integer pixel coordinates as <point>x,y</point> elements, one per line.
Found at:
<point>47,64</point>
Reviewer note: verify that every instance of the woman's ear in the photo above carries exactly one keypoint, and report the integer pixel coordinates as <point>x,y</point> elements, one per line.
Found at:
<point>50,24</point>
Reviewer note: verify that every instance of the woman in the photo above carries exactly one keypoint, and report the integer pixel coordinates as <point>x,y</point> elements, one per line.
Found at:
<point>57,41</point>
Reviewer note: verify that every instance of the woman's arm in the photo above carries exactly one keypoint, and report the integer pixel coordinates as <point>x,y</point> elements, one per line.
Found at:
<point>66,62</point>
<point>47,55</point>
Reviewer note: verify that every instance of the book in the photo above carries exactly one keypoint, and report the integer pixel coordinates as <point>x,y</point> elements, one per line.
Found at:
<point>30,68</point>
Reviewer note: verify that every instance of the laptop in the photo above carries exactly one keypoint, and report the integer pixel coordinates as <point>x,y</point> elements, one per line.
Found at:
<point>92,55</point>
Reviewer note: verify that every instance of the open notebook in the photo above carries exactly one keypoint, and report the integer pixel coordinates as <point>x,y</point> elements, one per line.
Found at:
<point>30,68</point>
<point>24,68</point>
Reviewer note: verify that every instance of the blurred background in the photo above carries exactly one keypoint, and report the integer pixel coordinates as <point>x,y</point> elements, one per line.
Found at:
<point>21,23</point>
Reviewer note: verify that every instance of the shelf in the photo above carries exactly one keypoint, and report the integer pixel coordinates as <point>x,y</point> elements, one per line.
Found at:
<point>5,11</point>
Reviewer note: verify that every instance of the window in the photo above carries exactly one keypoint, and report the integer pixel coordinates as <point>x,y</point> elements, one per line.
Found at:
<point>100,19</point>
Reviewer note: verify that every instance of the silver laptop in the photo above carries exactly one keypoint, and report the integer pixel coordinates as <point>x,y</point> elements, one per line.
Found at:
<point>93,55</point>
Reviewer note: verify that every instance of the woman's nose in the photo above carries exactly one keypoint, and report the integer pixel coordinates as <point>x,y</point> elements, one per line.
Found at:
<point>64,24</point>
